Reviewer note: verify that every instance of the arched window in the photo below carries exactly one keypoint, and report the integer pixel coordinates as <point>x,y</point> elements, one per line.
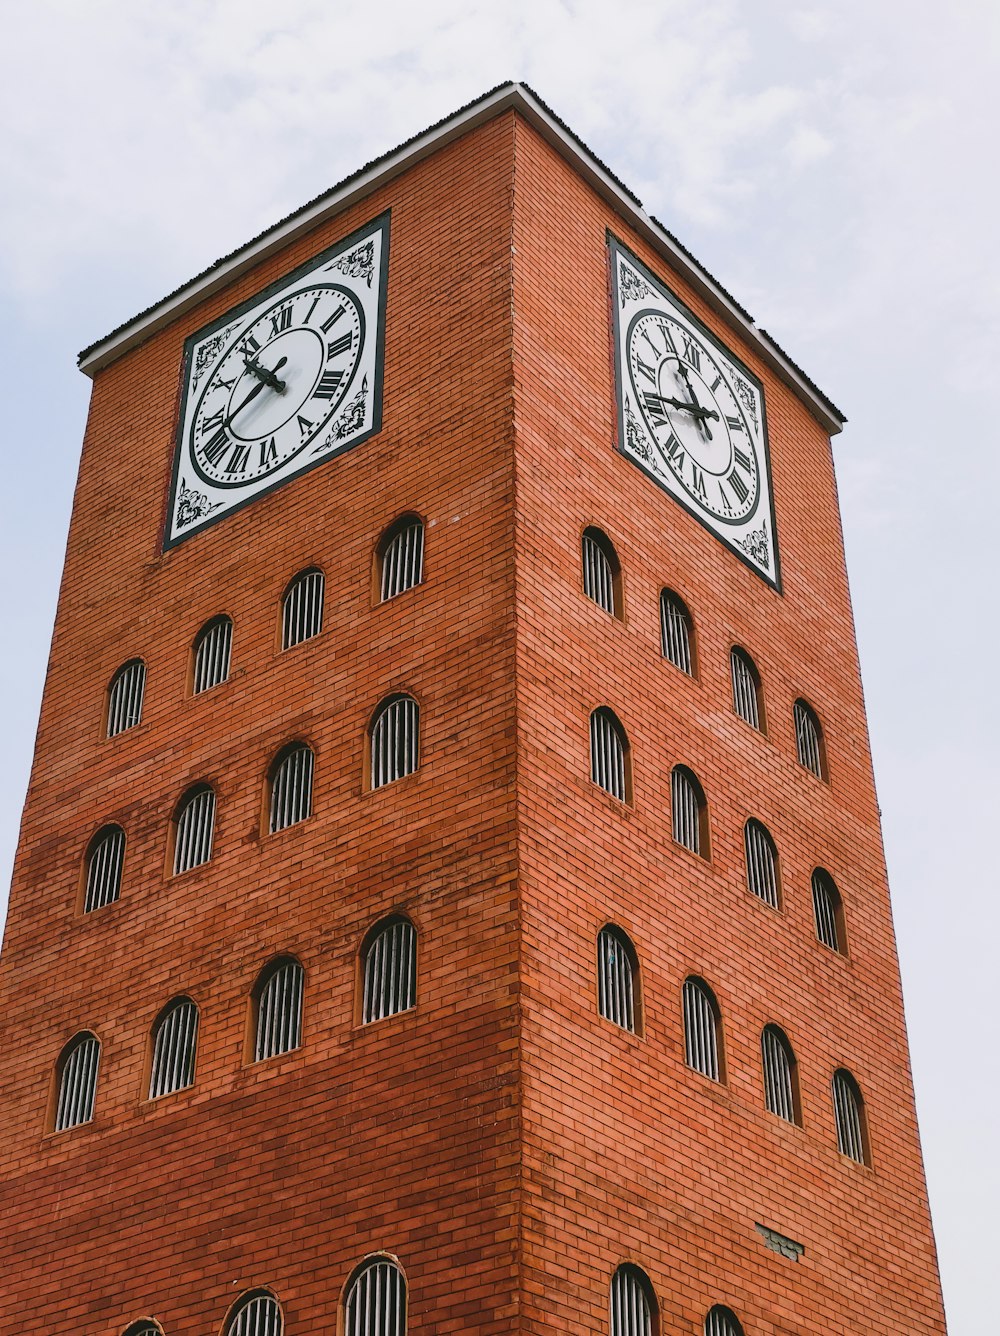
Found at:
<point>617,978</point>
<point>675,632</point>
<point>781,1086</point>
<point>633,1306</point>
<point>277,1006</point>
<point>194,827</point>
<point>748,701</point>
<point>809,740</point>
<point>762,863</point>
<point>175,1043</point>
<point>213,648</point>
<point>722,1322</point>
<point>688,811</point>
<point>291,787</point>
<point>375,1304</point>
<point>609,755</point>
<point>125,697</point>
<point>701,1029</point>
<point>829,911</point>
<point>602,572</point>
<point>849,1114</point>
<point>302,608</point>
<point>390,970</point>
<point>105,856</point>
<point>144,1327</point>
<point>76,1074</point>
<point>256,1314</point>
<point>401,557</point>
<point>394,740</point>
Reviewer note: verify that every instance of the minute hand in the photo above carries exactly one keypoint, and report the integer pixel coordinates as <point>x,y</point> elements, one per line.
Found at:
<point>694,409</point>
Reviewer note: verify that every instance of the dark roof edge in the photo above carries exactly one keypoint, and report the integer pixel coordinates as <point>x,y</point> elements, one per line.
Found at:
<point>510,96</point>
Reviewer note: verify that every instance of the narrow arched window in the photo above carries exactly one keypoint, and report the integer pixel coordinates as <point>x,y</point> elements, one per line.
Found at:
<point>291,787</point>
<point>194,828</point>
<point>143,1328</point>
<point>601,572</point>
<point>762,863</point>
<point>76,1088</point>
<point>675,632</point>
<point>829,912</point>
<point>701,1029</point>
<point>105,857</point>
<point>748,700</point>
<point>722,1322</point>
<point>277,999</point>
<point>688,811</point>
<point>125,697</point>
<point>401,557</point>
<point>375,1304</point>
<point>781,1095</point>
<point>302,608</point>
<point>256,1314</point>
<point>390,970</point>
<point>213,649</point>
<point>609,755</point>
<point>633,1306</point>
<point>394,740</point>
<point>617,978</point>
<point>849,1114</point>
<point>175,1043</point>
<point>809,740</point>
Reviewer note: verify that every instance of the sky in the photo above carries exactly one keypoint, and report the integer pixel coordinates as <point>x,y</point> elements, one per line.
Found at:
<point>833,164</point>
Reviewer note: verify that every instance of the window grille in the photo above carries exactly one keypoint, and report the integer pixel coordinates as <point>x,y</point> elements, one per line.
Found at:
<point>302,609</point>
<point>746,687</point>
<point>292,788</point>
<point>212,653</point>
<point>701,1029</point>
<point>616,978</point>
<point>125,697</point>
<point>376,1301</point>
<point>395,740</point>
<point>143,1329</point>
<point>279,1011</point>
<point>848,1110</point>
<point>722,1322</point>
<point>402,560</point>
<point>779,1074</point>
<point>77,1082</point>
<point>808,739</point>
<point>826,907</point>
<point>257,1315</point>
<point>687,811</point>
<point>762,863</point>
<point>600,571</point>
<point>609,754</point>
<point>390,971</point>
<point>631,1311</point>
<point>174,1044</point>
<point>675,632</point>
<point>194,830</point>
<point>104,868</point>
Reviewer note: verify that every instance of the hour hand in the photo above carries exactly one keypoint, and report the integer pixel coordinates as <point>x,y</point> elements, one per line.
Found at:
<point>694,409</point>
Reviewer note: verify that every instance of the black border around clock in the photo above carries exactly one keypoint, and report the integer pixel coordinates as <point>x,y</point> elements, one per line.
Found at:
<point>378,224</point>
<point>616,247</point>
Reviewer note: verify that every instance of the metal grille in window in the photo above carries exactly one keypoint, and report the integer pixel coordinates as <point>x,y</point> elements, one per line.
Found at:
<point>302,611</point>
<point>598,572</point>
<point>848,1114</point>
<point>807,741</point>
<point>195,826</point>
<point>701,1037</point>
<point>826,904</point>
<point>174,1048</point>
<point>125,697</point>
<point>608,754</point>
<point>143,1329</point>
<point>292,789</point>
<point>675,631</point>
<point>213,650</point>
<point>616,978</point>
<point>104,868</point>
<point>395,740</point>
<point>722,1322</point>
<point>258,1316</point>
<point>746,689</point>
<point>376,1302</point>
<point>779,1074</point>
<point>390,971</point>
<point>631,1314</point>
<point>762,863</point>
<point>279,1012</point>
<point>78,1082</point>
<point>403,560</point>
<point>685,803</point>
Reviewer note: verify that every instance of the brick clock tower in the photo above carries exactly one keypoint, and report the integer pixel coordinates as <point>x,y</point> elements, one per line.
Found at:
<point>450,896</point>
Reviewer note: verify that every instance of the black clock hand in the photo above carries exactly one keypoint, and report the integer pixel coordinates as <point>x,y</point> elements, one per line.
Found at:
<point>693,408</point>
<point>264,376</point>
<point>694,400</point>
<point>261,384</point>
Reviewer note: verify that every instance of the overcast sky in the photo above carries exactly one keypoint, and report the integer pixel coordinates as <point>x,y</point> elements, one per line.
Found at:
<point>833,164</point>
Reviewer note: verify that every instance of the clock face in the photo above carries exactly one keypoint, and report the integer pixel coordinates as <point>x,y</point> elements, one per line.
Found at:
<point>281,383</point>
